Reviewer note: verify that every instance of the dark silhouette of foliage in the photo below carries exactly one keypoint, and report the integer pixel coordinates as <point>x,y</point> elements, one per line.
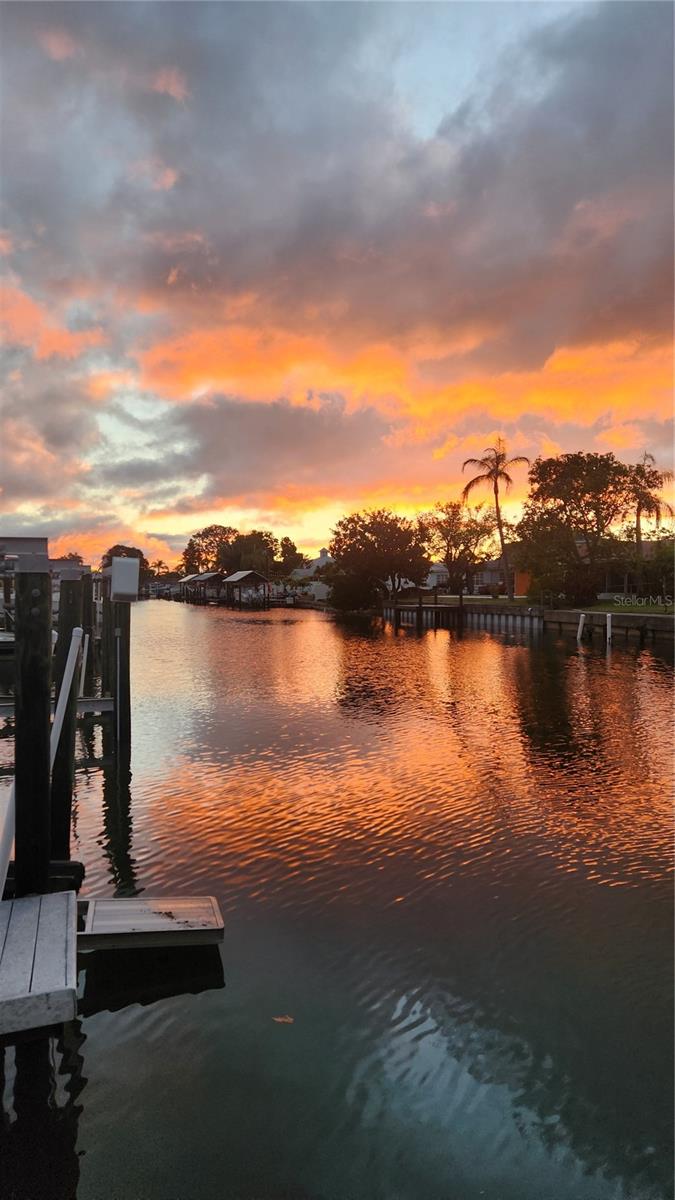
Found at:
<point>494,470</point>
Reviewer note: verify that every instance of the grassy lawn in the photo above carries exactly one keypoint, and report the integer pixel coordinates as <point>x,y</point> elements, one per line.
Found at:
<point>601,606</point>
<point>517,603</point>
<point>642,609</point>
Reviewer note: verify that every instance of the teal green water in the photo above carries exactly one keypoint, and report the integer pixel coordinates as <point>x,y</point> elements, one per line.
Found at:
<point>448,861</point>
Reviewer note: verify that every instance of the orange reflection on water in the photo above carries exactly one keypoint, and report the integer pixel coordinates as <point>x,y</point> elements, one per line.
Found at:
<point>277,747</point>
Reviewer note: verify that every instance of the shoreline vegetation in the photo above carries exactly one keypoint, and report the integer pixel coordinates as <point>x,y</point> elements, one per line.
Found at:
<point>579,544</point>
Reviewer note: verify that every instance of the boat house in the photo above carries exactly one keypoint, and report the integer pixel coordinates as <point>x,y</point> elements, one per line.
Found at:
<point>246,589</point>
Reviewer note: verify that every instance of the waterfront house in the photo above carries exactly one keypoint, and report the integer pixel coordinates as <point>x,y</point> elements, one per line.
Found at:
<point>438,576</point>
<point>490,577</point>
<point>309,578</point>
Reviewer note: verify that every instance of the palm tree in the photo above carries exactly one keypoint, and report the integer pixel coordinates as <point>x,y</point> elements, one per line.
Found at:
<point>645,485</point>
<point>159,566</point>
<point>494,470</point>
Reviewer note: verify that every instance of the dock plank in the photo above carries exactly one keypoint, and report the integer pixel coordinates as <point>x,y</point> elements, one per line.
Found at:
<point>16,965</point>
<point>49,970</point>
<point>38,976</point>
<point>151,921</point>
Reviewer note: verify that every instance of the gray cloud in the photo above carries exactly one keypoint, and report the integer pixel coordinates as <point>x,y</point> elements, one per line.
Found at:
<point>251,448</point>
<point>539,215</point>
<point>307,187</point>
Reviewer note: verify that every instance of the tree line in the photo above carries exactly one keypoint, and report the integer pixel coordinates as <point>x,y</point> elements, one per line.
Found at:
<point>582,512</point>
<point>218,548</point>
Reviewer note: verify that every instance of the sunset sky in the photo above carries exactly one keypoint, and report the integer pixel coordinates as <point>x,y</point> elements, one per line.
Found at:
<point>264,264</point>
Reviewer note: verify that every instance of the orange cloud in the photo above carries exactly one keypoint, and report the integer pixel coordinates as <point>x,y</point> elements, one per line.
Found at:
<point>92,544</point>
<point>263,362</point>
<point>103,383</point>
<point>25,322</point>
<point>169,81</point>
<point>578,385</point>
<point>57,44</point>
<point>154,172</point>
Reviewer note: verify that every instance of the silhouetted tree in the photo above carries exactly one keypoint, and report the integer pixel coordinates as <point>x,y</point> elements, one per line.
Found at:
<point>460,538</point>
<point>646,481</point>
<point>120,551</point>
<point>567,523</point>
<point>380,549</point>
<point>494,471</point>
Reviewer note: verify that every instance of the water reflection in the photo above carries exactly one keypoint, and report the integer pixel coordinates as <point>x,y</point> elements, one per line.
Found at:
<point>38,1156</point>
<point>117,832</point>
<point>544,704</point>
<point>115,979</point>
<point>448,858</point>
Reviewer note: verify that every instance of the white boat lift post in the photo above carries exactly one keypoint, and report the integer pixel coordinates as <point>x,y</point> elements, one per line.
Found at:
<point>580,630</point>
<point>83,668</point>
<point>64,694</point>
<point>609,628</point>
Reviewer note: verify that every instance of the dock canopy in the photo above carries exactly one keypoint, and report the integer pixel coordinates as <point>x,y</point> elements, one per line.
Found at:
<point>246,579</point>
<point>247,588</point>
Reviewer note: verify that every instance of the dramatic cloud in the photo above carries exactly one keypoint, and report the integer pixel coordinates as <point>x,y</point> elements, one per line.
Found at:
<point>217,217</point>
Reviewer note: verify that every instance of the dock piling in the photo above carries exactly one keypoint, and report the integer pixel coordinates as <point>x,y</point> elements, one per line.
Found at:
<point>88,623</point>
<point>107,641</point>
<point>63,770</point>
<point>122,633</point>
<point>33,597</point>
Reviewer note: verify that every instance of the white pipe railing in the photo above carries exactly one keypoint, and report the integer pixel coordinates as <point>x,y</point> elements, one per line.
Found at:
<point>66,684</point>
<point>83,669</point>
<point>6,838</point>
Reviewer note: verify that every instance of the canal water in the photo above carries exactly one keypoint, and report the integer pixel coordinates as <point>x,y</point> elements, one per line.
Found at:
<point>445,863</point>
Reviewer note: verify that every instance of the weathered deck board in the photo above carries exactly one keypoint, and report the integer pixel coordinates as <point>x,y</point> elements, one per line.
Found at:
<point>18,952</point>
<point>38,978</point>
<point>150,921</point>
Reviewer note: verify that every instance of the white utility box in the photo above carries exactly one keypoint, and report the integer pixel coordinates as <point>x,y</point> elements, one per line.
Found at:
<point>124,579</point>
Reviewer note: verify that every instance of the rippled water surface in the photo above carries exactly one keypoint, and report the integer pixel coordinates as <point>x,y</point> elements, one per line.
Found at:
<point>447,860</point>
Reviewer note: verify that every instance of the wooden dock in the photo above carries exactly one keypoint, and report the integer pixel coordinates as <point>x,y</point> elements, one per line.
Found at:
<point>39,934</point>
<point>38,973</point>
<point>145,922</point>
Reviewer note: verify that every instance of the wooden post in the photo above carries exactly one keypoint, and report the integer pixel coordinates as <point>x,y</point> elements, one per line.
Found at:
<point>420,612</point>
<point>88,628</point>
<point>122,642</point>
<point>107,642</point>
<point>63,771</point>
<point>33,652</point>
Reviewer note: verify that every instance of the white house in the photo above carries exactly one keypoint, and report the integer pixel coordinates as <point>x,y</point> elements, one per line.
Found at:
<point>314,589</point>
<point>438,576</point>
